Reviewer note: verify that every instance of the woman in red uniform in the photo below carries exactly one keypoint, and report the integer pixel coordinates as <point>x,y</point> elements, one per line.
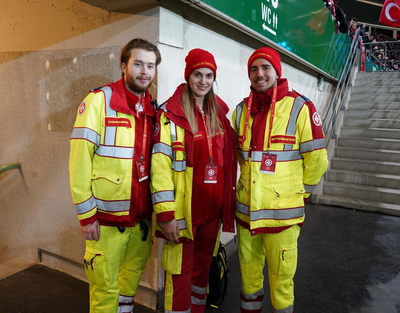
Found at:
<point>193,179</point>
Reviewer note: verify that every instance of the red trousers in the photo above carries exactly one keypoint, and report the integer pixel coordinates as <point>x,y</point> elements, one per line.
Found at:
<point>187,291</point>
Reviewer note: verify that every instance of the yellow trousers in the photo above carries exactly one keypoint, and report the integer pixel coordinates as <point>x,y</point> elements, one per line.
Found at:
<point>280,249</point>
<point>114,265</point>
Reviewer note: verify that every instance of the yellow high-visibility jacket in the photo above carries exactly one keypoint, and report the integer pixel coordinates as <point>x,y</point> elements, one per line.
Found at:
<point>172,167</point>
<point>265,201</point>
<point>106,143</point>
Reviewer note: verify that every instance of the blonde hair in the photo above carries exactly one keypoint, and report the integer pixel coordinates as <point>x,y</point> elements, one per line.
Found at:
<point>210,108</point>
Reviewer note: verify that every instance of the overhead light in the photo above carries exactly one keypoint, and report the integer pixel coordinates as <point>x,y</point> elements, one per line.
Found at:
<point>371,2</point>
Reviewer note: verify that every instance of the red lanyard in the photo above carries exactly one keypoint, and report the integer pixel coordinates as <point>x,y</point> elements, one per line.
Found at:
<point>209,140</point>
<point>144,130</point>
<point>249,104</point>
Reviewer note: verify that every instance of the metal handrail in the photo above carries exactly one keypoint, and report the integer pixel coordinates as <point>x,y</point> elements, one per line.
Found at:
<point>329,120</point>
<point>10,166</point>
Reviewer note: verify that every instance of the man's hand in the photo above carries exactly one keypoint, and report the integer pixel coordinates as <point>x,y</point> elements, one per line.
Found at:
<point>91,231</point>
<point>171,230</point>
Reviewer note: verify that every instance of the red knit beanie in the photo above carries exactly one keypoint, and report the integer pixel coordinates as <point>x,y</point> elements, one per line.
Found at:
<point>198,58</point>
<point>269,54</point>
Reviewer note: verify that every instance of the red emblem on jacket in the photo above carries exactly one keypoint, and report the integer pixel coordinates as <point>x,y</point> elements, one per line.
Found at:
<point>316,119</point>
<point>82,108</point>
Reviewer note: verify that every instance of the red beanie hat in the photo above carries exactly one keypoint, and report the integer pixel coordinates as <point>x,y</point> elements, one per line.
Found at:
<point>269,54</point>
<point>198,58</point>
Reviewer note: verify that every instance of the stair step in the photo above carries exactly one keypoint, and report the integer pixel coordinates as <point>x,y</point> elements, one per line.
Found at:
<point>371,123</point>
<point>364,192</point>
<point>360,204</point>
<point>369,143</point>
<point>364,178</point>
<point>390,168</point>
<point>370,96</point>
<point>370,132</point>
<point>368,154</point>
<point>373,105</point>
<point>372,88</point>
<point>377,75</point>
<point>376,82</point>
<point>383,114</point>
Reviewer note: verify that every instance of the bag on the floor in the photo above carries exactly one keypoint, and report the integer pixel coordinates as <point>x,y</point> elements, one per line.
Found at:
<point>218,278</point>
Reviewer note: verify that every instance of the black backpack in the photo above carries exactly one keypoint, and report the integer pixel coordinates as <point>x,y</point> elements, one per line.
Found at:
<point>218,278</point>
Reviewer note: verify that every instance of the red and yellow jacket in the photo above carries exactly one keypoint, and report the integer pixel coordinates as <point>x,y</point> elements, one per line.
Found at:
<point>269,203</point>
<point>106,142</point>
<point>172,167</point>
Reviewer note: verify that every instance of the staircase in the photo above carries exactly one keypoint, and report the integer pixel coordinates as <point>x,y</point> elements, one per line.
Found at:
<point>365,170</point>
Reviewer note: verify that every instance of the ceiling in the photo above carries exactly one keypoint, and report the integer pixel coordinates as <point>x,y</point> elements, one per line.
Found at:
<point>367,11</point>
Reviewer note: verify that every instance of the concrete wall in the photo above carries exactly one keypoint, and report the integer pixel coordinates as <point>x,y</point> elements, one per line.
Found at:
<point>52,54</point>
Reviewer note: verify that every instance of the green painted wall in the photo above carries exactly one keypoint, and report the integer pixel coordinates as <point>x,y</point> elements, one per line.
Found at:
<point>304,28</point>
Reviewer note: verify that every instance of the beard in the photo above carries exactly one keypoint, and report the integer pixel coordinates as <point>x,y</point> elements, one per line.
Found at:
<point>135,85</point>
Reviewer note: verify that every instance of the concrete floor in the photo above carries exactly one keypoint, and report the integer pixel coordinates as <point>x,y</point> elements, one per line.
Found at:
<point>349,262</point>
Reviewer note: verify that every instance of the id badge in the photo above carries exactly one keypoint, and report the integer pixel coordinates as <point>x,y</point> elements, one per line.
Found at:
<point>211,173</point>
<point>268,163</point>
<point>142,170</point>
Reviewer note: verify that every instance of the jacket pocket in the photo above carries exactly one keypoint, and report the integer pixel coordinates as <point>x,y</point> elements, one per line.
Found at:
<point>107,185</point>
<point>287,261</point>
<point>171,260</point>
<point>95,268</point>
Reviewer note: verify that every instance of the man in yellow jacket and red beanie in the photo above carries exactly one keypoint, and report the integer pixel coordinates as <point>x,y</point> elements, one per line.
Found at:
<point>282,157</point>
<point>111,145</point>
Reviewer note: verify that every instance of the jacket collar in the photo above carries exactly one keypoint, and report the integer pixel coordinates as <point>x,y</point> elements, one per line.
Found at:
<point>119,100</point>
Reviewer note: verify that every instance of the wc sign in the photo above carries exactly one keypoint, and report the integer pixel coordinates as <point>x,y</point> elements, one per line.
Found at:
<point>269,16</point>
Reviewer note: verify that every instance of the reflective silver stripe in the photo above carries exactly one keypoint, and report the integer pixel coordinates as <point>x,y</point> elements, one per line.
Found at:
<point>125,299</point>
<point>251,305</point>
<point>125,308</point>
<point>312,145</point>
<point>197,301</point>
<point>241,208</point>
<point>173,131</point>
<point>297,105</point>
<point>287,147</point>
<point>287,310</point>
<point>110,131</point>
<point>281,214</point>
<point>86,206</point>
<point>292,155</point>
<point>113,206</point>
<point>115,152</point>
<point>245,155</point>
<point>253,296</point>
<point>179,166</point>
<point>182,224</point>
<point>309,188</point>
<point>239,109</point>
<point>162,196</point>
<point>86,133</point>
<point>199,290</point>
<point>162,148</point>
<point>188,311</point>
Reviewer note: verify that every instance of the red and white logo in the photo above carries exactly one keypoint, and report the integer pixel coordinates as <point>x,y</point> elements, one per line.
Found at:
<point>268,162</point>
<point>82,108</point>
<point>142,169</point>
<point>211,172</point>
<point>316,119</point>
<point>156,129</point>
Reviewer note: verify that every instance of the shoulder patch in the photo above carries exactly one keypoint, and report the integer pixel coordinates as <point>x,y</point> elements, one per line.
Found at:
<point>82,108</point>
<point>156,129</point>
<point>316,120</point>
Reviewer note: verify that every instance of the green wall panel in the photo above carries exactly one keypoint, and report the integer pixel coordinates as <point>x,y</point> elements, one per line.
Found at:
<point>304,28</point>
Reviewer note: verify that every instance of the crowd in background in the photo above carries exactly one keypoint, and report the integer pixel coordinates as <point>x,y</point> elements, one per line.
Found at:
<point>378,47</point>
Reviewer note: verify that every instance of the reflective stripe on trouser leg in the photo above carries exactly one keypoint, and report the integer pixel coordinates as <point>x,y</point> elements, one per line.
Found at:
<point>137,256</point>
<point>126,304</point>
<point>252,260</point>
<point>281,251</point>
<point>103,260</point>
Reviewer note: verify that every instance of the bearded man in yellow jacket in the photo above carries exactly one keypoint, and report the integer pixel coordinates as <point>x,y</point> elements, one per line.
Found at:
<point>111,146</point>
<point>282,157</point>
